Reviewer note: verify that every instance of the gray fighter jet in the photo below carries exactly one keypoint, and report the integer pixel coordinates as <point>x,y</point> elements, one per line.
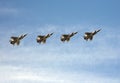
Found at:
<point>66,37</point>
<point>16,40</point>
<point>89,35</point>
<point>42,38</point>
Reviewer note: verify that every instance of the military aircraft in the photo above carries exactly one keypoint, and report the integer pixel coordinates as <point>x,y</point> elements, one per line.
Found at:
<point>42,38</point>
<point>89,35</point>
<point>16,40</point>
<point>66,37</point>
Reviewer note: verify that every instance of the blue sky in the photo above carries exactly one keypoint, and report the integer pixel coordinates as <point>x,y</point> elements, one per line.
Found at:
<point>77,61</point>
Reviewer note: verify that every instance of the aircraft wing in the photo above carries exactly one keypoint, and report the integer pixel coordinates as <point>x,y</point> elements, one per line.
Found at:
<point>87,33</point>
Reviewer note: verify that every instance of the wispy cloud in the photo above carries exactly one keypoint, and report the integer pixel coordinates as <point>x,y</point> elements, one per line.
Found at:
<point>61,57</point>
<point>18,74</point>
<point>96,48</point>
<point>8,11</point>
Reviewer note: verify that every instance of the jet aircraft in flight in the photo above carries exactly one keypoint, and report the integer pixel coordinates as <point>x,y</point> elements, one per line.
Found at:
<point>42,38</point>
<point>89,35</point>
<point>16,40</point>
<point>66,37</point>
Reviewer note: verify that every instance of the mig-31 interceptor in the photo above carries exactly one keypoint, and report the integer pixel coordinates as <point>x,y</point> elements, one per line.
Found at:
<point>66,37</point>
<point>42,38</point>
<point>16,40</point>
<point>90,35</point>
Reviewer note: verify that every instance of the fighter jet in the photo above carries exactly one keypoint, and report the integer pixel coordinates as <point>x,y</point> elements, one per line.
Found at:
<point>89,35</point>
<point>66,37</point>
<point>16,40</point>
<point>42,38</point>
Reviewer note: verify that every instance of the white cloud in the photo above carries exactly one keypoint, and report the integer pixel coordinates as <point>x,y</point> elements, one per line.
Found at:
<point>59,55</point>
<point>16,74</point>
<point>86,53</point>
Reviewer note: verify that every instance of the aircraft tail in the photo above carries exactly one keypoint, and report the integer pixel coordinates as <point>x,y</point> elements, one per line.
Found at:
<point>96,31</point>
<point>73,34</point>
<point>22,36</point>
<point>48,35</point>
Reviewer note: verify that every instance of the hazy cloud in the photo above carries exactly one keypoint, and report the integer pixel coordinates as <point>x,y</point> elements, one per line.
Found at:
<point>18,74</point>
<point>8,11</point>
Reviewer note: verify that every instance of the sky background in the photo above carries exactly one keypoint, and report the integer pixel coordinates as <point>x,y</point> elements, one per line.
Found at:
<point>76,61</point>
